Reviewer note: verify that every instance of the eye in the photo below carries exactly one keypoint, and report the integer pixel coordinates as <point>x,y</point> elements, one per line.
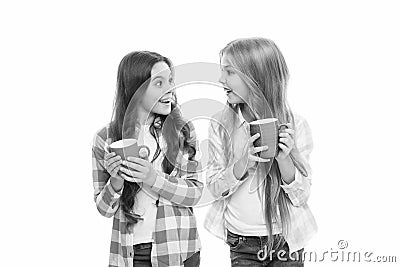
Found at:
<point>171,80</point>
<point>159,83</point>
<point>230,72</point>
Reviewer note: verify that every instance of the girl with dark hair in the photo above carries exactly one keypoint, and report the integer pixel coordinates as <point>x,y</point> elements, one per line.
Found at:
<point>262,210</point>
<point>150,197</point>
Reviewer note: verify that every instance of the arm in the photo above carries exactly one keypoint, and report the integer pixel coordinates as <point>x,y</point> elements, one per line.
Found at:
<point>221,179</point>
<point>298,190</point>
<point>106,198</point>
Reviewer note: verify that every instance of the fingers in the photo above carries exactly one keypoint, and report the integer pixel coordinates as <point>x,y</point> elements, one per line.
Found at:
<point>114,167</point>
<point>287,133</point>
<point>286,139</point>
<point>259,148</point>
<point>134,166</point>
<point>254,138</point>
<point>258,159</point>
<point>131,173</point>
<point>128,178</point>
<point>287,128</point>
<point>137,160</point>
<point>111,158</point>
<point>286,150</point>
<point>109,155</point>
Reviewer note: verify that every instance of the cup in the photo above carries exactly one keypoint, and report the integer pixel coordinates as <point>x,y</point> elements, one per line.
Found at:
<point>269,135</point>
<point>127,148</point>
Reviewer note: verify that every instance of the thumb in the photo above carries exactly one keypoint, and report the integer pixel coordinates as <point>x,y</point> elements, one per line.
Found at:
<point>143,153</point>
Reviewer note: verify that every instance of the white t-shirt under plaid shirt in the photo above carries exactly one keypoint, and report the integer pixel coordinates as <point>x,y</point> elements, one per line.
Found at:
<point>146,199</point>
<point>222,182</point>
<point>175,235</point>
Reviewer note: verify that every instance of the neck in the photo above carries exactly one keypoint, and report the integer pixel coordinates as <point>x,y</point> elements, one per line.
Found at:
<point>144,117</point>
<point>245,114</point>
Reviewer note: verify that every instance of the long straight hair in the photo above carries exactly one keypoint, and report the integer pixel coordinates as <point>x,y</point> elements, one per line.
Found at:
<point>134,73</point>
<point>263,69</point>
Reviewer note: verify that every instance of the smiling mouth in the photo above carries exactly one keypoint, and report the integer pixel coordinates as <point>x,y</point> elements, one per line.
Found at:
<point>165,100</point>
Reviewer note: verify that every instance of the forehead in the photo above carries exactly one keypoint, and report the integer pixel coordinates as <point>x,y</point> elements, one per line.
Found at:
<point>225,61</point>
<point>161,69</point>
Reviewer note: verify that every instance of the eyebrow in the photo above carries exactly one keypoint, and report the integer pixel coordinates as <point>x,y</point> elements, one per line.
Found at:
<point>161,77</point>
<point>226,66</point>
<point>156,77</point>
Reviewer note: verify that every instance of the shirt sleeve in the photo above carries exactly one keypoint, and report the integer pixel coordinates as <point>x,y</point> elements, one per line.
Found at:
<point>221,181</point>
<point>298,191</point>
<point>107,200</point>
<point>182,187</point>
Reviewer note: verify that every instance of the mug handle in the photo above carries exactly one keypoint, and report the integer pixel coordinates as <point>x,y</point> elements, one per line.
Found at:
<point>283,125</point>
<point>147,148</point>
<point>280,127</point>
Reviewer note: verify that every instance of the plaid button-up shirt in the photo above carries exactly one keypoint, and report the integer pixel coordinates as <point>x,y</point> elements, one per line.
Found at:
<point>222,182</point>
<point>175,237</point>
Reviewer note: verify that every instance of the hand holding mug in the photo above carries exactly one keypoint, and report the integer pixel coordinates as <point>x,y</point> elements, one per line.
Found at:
<point>249,157</point>
<point>113,164</point>
<point>137,169</point>
<point>286,141</point>
<point>125,149</point>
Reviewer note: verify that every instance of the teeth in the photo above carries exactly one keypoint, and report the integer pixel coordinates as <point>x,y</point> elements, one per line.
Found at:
<point>165,100</point>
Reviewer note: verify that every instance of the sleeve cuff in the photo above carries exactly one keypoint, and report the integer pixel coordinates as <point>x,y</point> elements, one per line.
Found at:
<point>159,182</point>
<point>296,183</point>
<point>232,181</point>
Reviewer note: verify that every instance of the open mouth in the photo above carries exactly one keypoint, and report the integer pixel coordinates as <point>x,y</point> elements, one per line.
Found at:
<point>167,100</point>
<point>227,90</point>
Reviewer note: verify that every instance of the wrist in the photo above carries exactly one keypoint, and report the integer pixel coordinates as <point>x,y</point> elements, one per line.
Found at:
<point>287,169</point>
<point>150,181</point>
<point>117,183</point>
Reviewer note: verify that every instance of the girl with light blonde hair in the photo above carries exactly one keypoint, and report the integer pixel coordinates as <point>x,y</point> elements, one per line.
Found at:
<point>261,205</point>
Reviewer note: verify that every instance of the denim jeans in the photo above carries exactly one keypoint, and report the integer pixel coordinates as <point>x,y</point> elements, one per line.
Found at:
<point>142,257</point>
<point>244,251</point>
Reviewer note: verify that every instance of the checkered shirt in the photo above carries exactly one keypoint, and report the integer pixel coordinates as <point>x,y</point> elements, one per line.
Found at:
<point>175,235</point>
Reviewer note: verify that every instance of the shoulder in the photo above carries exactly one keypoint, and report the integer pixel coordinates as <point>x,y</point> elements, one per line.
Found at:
<point>222,117</point>
<point>300,122</point>
<point>101,136</point>
<point>218,116</point>
<point>303,130</point>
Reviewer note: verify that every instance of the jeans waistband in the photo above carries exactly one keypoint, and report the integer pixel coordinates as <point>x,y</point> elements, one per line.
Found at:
<point>265,237</point>
<point>142,246</point>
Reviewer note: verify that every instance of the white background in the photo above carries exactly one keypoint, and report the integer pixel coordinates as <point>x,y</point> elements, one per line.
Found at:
<point>58,73</point>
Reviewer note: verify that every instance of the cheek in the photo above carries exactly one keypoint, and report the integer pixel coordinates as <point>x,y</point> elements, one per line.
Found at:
<point>149,99</point>
<point>240,87</point>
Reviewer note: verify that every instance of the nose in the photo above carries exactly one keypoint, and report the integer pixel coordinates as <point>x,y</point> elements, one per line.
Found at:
<point>169,90</point>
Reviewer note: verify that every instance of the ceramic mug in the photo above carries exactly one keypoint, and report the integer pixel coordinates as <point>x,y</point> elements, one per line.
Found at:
<point>269,136</point>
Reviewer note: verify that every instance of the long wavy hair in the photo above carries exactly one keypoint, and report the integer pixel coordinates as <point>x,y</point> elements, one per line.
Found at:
<point>263,69</point>
<point>134,73</point>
